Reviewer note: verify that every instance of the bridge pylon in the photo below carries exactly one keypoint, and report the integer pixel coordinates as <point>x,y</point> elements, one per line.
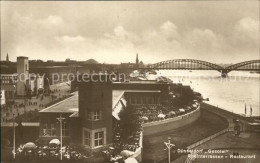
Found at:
<point>224,73</point>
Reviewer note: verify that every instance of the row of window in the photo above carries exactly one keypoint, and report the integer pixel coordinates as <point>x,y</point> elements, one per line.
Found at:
<point>8,81</point>
<point>51,130</point>
<point>143,100</point>
<point>8,77</point>
<point>91,138</point>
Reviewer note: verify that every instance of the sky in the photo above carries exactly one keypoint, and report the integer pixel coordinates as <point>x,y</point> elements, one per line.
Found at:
<point>114,32</point>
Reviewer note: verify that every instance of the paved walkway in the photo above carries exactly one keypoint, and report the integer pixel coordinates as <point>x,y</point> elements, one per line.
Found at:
<point>244,144</point>
<point>227,117</point>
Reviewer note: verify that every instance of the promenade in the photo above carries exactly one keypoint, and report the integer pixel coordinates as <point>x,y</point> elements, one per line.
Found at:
<point>247,143</point>
<point>207,125</point>
<point>22,106</point>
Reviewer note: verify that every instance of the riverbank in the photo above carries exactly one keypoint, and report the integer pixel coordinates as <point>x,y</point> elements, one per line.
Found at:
<point>207,125</point>
<point>231,114</point>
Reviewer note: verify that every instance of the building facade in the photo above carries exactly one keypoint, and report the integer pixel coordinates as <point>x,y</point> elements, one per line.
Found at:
<point>95,112</point>
<point>22,76</point>
<point>89,113</point>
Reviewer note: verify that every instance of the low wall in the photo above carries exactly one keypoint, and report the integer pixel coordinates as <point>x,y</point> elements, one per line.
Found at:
<point>171,123</point>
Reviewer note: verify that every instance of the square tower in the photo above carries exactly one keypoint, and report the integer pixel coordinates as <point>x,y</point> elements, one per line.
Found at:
<point>23,75</point>
<point>95,111</point>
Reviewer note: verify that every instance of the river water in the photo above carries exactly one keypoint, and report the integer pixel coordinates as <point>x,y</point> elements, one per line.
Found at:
<point>239,90</point>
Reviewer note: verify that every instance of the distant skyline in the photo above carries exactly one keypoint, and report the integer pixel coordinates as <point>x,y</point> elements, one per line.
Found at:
<point>115,31</point>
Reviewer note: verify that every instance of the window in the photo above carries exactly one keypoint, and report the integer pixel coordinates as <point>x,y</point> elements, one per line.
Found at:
<point>99,138</point>
<point>94,138</point>
<point>45,127</point>
<point>94,116</point>
<point>155,100</point>
<point>97,115</point>
<point>49,130</point>
<point>87,138</point>
<point>138,100</point>
<point>53,130</point>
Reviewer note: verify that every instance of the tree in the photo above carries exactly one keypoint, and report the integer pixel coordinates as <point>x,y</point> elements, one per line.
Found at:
<point>129,122</point>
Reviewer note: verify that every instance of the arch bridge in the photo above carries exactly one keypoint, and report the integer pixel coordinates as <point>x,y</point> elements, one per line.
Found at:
<point>192,64</point>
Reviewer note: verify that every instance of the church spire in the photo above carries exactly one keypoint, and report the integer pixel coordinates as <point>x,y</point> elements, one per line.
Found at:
<point>7,58</point>
<point>137,60</point>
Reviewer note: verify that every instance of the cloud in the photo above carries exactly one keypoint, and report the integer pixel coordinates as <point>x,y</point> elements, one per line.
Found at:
<point>51,20</point>
<point>247,27</point>
<point>202,40</point>
<point>70,39</point>
<point>246,34</point>
<point>120,32</point>
<point>48,38</point>
<point>169,31</point>
<point>243,40</point>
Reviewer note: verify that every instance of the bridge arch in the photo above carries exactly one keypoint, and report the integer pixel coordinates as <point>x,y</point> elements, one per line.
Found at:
<point>247,65</point>
<point>186,64</point>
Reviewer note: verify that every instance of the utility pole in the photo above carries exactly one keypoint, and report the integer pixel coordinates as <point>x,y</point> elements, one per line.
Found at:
<point>169,146</point>
<point>14,136</point>
<point>25,109</point>
<point>60,119</point>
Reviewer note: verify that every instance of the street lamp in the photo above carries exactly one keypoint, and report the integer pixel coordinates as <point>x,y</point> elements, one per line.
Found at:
<point>60,119</point>
<point>169,146</point>
<point>14,136</point>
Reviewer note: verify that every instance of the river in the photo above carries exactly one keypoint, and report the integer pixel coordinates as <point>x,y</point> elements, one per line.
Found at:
<point>232,93</point>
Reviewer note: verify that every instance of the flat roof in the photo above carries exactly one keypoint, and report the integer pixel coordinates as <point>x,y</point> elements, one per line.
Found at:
<point>69,105</point>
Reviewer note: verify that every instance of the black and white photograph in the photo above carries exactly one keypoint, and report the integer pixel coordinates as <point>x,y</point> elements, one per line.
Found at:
<point>130,81</point>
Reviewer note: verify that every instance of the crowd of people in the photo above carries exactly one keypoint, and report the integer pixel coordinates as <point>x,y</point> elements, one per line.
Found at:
<point>21,106</point>
<point>51,152</point>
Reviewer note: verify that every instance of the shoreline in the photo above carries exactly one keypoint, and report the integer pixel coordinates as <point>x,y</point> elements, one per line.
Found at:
<point>228,113</point>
